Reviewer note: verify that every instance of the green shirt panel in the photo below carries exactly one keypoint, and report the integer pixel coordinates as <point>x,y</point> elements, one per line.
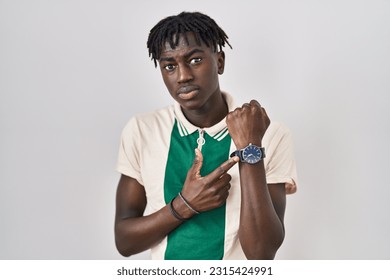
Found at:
<point>202,237</point>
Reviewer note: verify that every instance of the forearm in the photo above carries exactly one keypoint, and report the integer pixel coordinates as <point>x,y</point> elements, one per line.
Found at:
<point>137,234</point>
<point>261,231</point>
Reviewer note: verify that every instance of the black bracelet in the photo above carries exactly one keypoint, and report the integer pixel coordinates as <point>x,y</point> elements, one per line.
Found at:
<point>174,213</point>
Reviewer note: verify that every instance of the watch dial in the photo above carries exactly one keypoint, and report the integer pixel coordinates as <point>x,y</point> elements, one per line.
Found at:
<point>252,154</point>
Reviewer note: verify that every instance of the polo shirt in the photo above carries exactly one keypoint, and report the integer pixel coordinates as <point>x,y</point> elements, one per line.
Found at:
<point>157,149</point>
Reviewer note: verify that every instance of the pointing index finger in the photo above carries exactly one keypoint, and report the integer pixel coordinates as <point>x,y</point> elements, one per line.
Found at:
<point>222,169</point>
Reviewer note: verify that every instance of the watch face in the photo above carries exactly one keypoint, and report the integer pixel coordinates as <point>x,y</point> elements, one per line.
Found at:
<point>252,154</point>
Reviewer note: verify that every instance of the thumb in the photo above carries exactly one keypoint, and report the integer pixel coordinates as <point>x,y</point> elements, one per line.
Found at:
<point>197,164</point>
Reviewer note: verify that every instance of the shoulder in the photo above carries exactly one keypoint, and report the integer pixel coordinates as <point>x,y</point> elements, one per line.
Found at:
<point>150,121</point>
<point>163,114</point>
<point>276,130</point>
<point>280,160</point>
<point>277,140</point>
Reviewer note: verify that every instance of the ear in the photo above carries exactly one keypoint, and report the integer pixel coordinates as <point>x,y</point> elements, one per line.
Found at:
<point>221,62</point>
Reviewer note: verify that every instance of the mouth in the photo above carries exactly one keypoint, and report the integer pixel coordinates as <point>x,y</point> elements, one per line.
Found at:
<point>188,92</point>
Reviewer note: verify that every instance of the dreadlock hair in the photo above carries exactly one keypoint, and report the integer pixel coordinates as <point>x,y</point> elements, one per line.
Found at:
<point>169,29</point>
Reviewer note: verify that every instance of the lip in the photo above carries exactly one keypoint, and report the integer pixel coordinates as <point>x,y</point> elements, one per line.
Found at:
<point>187,89</point>
<point>188,92</point>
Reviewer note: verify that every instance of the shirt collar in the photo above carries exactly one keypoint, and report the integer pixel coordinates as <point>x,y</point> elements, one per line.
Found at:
<point>217,131</point>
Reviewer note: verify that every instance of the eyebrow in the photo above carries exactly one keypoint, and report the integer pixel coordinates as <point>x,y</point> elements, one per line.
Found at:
<point>190,53</point>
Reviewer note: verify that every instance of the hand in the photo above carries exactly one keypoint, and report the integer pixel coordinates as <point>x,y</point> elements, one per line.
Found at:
<point>247,124</point>
<point>211,191</point>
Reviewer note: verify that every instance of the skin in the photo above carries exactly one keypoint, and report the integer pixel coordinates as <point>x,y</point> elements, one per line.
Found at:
<point>195,67</point>
<point>261,230</point>
<point>190,73</point>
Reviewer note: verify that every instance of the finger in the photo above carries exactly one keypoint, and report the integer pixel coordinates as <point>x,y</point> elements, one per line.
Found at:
<point>228,186</point>
<point>223,183</point>
<point>197,164</point>
<point>222,169</point>
<point>267,120</point>
<point>224,192</point>
<point>255,103</point>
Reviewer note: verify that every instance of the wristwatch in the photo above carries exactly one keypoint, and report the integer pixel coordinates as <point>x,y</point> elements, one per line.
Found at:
<point>250,154</point>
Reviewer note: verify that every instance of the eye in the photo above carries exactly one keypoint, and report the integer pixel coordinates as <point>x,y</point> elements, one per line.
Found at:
<point>195,60</point>
<point>169,67</point>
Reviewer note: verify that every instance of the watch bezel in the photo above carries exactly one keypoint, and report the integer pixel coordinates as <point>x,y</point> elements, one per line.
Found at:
<point>252,154</point>
<point>241,153</point>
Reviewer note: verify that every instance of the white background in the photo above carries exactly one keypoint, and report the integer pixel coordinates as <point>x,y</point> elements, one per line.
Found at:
<point>73,72</point>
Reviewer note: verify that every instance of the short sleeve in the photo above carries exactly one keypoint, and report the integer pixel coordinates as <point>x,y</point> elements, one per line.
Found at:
<point>280,164</point>
<point>129,151</point>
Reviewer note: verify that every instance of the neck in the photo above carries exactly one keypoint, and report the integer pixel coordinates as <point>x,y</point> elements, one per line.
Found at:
<point>210,114</point>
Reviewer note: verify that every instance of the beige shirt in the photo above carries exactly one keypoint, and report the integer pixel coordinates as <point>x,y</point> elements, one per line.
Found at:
<point>143,154</point>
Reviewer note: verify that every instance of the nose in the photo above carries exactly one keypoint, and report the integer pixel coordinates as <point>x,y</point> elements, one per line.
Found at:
<point>185,74</point>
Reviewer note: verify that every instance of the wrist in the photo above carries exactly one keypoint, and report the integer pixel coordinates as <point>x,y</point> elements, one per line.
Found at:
<point>174,212</point>
<point>182,209</point>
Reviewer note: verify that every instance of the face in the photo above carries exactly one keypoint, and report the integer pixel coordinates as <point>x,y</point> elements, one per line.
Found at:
<point>190,73</point>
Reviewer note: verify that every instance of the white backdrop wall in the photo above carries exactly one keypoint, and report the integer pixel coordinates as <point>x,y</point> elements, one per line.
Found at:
<point>73,72</point>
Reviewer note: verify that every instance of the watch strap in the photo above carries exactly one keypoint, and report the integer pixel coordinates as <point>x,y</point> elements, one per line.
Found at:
<point>237,153</point>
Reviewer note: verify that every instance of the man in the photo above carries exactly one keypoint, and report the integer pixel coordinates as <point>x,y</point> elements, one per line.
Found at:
<point>181,161</point>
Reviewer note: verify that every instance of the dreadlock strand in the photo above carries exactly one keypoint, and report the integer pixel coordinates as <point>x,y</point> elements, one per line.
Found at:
<point>169,30</point>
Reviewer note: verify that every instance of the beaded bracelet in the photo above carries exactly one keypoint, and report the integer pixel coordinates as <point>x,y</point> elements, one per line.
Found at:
<point>188,205</point>
<point>174,213</point>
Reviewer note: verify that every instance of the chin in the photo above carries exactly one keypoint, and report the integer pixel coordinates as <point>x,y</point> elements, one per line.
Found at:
<point>191,105</point>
